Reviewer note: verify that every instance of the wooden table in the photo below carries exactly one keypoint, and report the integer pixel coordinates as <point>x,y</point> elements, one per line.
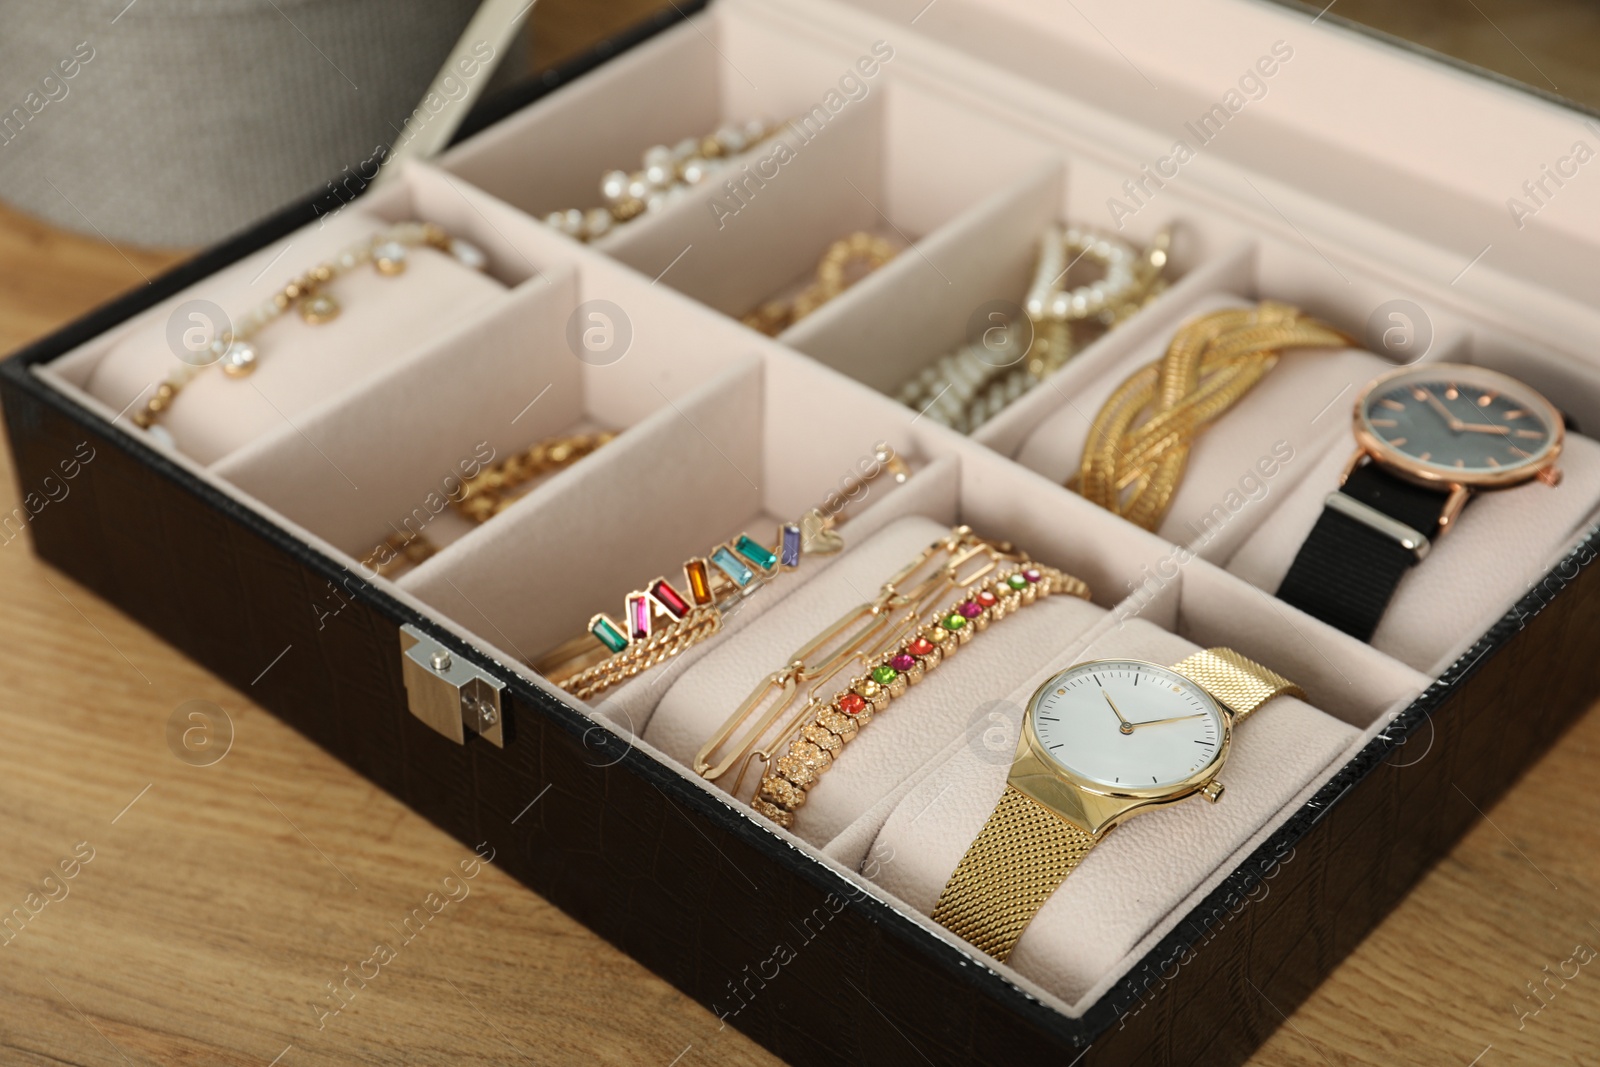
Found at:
<point>221,900</point>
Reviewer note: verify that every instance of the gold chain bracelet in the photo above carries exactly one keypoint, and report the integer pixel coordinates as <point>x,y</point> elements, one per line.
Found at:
<point>660,620</point>
<point>1133,467</point>
<point>895,648</point>
<point>486,494</point>
<point>233,350</point>
<point>846,262</point>
<point>664,174</point>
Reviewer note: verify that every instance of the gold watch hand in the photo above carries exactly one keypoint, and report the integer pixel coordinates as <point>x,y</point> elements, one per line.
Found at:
<point>1474,427</point>
<point>1157,722</point>
<point>1126,727</point>
<point>1438,405</point>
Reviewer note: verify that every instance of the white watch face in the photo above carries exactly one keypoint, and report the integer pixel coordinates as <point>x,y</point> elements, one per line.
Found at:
<point>1128,725</point>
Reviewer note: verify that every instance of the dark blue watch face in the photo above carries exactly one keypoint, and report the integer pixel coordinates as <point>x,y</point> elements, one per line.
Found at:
<point>1454,420</point>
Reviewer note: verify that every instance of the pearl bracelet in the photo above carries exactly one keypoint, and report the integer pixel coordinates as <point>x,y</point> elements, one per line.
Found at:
<point>966,388</point>
<point>232,349</point>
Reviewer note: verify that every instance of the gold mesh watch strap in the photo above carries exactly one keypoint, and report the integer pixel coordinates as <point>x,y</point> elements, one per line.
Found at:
<point>1241,684</point>
<point>1025,851</point>
<point>1022,854</point>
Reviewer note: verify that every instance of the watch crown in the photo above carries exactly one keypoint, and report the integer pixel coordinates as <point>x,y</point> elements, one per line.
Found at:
<point>1550,476</point>
<point>1212,790</point>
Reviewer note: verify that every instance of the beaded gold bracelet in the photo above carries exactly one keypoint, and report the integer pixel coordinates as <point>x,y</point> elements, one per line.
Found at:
<point>233,350</point>
<point>896,647</point>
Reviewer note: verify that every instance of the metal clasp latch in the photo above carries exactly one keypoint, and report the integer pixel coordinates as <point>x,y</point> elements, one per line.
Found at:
<point>449,694</point>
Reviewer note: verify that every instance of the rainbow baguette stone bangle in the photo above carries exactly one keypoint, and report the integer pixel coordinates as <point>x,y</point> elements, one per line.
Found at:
<point>663,619</point>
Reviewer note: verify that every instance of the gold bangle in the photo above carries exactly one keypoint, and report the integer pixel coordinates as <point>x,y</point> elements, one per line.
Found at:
<point>846,262</point>
<point>660,621</point>
<point>486,494</point>
<point>1133,467</point>
<point>232,349</point>
<point>895,646</point>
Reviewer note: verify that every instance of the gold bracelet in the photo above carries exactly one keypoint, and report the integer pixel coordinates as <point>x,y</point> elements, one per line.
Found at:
<point>846,262</point>
<point>896,649</point>
<point>660,620</point>
<point>664,173</point>
<point>967,387</point>
<point>232,349</point>
<point>1212,362</point>
<point>486,494</point>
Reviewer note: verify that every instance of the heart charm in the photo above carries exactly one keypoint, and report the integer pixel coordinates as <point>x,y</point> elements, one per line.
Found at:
<point>817,537</point>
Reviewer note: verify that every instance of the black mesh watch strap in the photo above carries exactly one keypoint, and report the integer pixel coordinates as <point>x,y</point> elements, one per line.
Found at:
<point>1346,572</point>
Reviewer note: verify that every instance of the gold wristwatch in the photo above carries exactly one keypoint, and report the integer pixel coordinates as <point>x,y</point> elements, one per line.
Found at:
<point>1100,741</point>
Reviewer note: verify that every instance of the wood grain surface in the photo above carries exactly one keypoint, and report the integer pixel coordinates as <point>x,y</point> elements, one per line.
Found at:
<point>218,902</point>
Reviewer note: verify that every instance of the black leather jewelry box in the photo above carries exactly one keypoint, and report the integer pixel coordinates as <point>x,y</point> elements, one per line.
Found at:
<point>676,874</point>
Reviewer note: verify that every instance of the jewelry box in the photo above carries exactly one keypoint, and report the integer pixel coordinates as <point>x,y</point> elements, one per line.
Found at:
<point>1244,141</point>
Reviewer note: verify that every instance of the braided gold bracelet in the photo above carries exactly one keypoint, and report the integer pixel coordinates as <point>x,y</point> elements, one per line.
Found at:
<point>846,262</point>
<point>232,349</point>
<point>1212,362</point>
<point>486,494</point>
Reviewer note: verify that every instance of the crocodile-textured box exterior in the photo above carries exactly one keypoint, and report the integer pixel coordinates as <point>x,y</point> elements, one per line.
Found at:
<point>700,893</point>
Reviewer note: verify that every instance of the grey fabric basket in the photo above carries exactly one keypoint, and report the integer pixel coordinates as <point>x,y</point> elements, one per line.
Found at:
<point>183,120</point>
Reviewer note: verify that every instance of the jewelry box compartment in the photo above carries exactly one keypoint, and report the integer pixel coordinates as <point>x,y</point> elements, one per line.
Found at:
<point>854,159</point>
<point>300,365</point>
<point>721,431</point>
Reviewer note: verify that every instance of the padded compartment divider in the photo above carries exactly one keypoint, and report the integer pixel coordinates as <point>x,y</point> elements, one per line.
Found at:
<point>388,457</point>
<point>1346,678</point>
<point>760,226</point>
<point>1493,553</point>
<point>889,327</point>
<point>533,576</point>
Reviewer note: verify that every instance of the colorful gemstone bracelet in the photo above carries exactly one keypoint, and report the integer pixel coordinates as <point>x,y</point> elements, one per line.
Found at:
<point>889,637</point>
<point>661,620</point>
